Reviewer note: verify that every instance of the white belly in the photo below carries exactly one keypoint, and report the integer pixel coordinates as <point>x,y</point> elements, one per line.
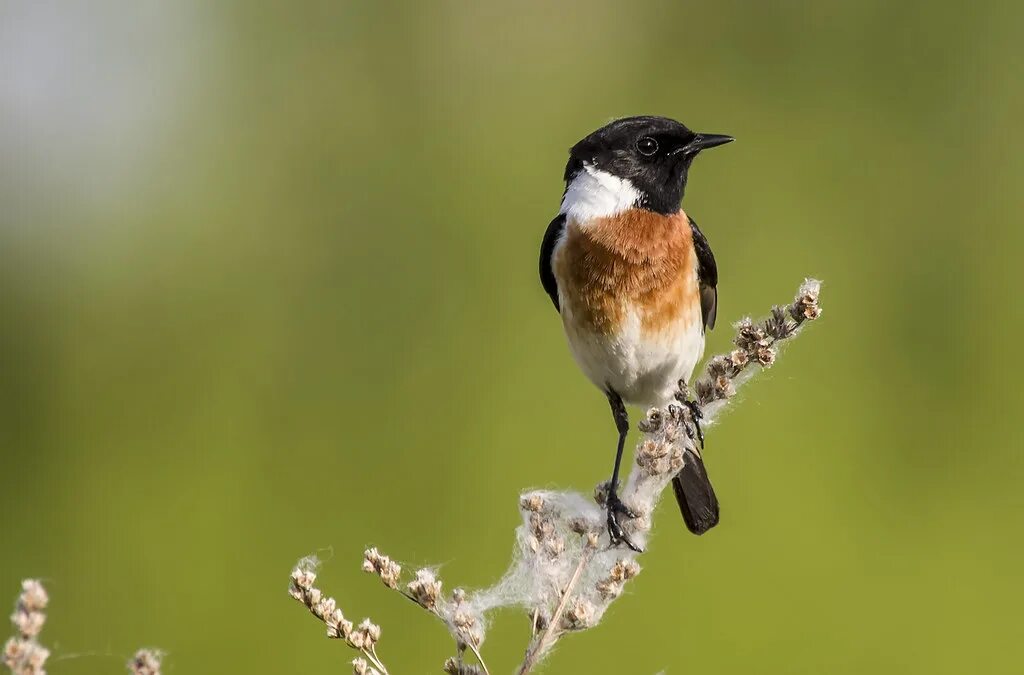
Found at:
<point>643,368</point>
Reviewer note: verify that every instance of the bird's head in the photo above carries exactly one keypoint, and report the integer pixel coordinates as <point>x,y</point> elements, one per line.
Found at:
<point>646,156</point>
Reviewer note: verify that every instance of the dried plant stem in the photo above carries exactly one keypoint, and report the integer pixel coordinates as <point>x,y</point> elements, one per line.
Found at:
<point>565,573</point>
<point>460,644</point>
<point>480,658</point>
<point>371,654</point>
<point>542,644</point>
<point>23,655</point>
<point>362,638</point>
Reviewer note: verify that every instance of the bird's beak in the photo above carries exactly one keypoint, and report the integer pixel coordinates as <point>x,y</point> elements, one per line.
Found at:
<point>705,141</point>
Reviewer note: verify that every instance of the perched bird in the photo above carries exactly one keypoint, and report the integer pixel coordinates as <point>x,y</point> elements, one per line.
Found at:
<point>634,281</point>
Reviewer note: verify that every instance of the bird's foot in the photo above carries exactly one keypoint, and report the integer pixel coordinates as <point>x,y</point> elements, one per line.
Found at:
<point>615,532</point>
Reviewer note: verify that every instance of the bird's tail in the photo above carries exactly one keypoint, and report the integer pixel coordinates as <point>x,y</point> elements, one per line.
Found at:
<point>696,497</point>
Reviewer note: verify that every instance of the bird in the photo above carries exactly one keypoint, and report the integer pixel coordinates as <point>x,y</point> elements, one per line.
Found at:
<point>636,284</point>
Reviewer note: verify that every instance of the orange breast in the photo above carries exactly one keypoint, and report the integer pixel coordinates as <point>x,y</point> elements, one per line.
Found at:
<point>636,260</point>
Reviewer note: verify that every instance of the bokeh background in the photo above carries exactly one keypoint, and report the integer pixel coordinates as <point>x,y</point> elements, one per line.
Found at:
<point>268,287</point>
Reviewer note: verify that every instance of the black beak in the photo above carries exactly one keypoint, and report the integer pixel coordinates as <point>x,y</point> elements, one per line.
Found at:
<point>705,141</point>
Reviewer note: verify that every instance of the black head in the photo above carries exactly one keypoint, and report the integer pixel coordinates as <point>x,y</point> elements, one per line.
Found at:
<point>652,153</point>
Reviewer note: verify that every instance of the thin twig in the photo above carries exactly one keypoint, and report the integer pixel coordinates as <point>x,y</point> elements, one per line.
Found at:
<point>472,647</point>
<point>480,659</point>
<point>533,657</point>
<point>372,655</point>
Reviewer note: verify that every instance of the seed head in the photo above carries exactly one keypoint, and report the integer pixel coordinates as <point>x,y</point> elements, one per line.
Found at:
<point>467,628</point>
<point>705,391</point>
<point>533,502</point>
<point>718,366</point>
<point>805,307</point>
<point>622,571</point>
<point>384,567</point>
<point>325,608</point>
<point>749,336</point>
<point>650,454</point>
<point>766,356</point>
<point>338,627</point>
<point>28,624</point>
<point>425,588</point>
<point>723,387</point>
<point>303,576</point>
<point>541,526</point>
<point>578,615</point>
<point>145,662</point>
<point>778,326</point>
<point>365,636</point>
<point>453,667</point>
<point>25,657</point>
<point>652,422</point>
<point>33,595</point>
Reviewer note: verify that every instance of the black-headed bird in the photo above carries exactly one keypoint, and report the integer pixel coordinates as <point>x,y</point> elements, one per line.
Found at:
<point>635,282</point>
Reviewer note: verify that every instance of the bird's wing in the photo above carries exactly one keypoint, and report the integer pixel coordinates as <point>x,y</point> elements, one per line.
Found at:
<point>547,250</point>
<point>707,276</point>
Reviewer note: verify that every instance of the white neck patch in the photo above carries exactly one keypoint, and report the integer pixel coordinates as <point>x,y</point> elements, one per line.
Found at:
<point>597,194</point>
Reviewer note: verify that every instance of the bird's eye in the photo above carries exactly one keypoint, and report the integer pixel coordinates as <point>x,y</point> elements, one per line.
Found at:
<point>647,146</point>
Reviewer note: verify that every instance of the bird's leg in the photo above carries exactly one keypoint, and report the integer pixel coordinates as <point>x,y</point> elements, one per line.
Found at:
<point>615,505</point>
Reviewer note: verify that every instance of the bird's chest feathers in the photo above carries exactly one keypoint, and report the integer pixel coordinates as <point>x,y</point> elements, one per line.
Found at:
<point>635,270</point>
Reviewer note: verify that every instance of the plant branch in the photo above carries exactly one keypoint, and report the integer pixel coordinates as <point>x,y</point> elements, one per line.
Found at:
<point>565,572</point>
<point>538,649</point>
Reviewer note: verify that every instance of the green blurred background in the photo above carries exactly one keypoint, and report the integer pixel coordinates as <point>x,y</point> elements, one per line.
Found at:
<point>268,286</point>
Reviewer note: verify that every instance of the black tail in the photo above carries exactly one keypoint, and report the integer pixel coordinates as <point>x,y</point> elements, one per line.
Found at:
<point>696,497</point>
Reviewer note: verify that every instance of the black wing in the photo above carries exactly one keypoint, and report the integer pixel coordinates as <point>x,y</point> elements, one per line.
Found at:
<point>547,249</point>
<point>707,276</point>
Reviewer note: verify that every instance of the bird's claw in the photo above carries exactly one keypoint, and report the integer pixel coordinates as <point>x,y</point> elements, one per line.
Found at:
<point>615,532</point>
